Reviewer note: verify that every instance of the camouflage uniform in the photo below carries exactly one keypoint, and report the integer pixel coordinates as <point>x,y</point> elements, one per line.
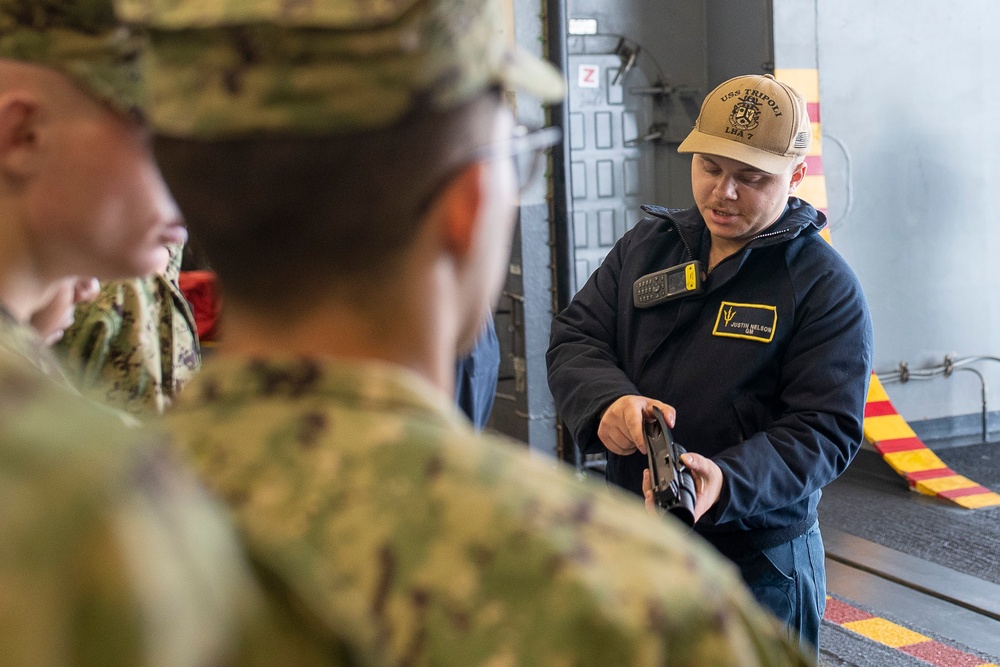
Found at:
<point>419,541</point>
<point>136,344</point>
<point>23,341</point>
<point>436,546</point>
<point>108,555</point>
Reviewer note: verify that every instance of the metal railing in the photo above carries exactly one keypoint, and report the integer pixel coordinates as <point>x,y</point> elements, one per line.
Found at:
<point>904,374</point>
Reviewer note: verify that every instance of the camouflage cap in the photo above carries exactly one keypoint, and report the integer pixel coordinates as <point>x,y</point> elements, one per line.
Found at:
<point>80,38</point>
<point>225,68</point>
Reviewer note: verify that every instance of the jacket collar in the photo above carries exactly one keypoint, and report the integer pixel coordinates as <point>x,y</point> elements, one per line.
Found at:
<point>799,218</point>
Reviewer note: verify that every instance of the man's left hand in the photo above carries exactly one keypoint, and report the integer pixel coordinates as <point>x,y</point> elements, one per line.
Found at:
<point>647,493</point>
<point>707,482</point>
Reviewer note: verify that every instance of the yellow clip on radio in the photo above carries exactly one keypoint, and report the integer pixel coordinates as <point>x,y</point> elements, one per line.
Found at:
<point>673,283</point>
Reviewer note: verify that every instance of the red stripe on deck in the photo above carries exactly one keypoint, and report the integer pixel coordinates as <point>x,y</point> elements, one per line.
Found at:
<point>814,165</point>
<point>967,491</point>
<point>813,108</point>
<point>931,651</point>
<point>940,655</point>
<point>933,473</point>
<point>878,408</point>
<point>898,445</point>
<point>839,613</point>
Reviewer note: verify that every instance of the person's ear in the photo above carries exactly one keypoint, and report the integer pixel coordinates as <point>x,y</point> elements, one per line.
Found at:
<point>459,208</point>
<point>797,175</point>
<point>19,134</point>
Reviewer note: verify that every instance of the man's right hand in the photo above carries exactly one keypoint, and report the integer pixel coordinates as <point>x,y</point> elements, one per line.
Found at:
<point>621,425</point>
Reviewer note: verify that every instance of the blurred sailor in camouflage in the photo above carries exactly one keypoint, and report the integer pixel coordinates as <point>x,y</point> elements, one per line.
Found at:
<point>348,166</point>
<point>108,555</point>
<point>80,194</point>
<point>136,344</point>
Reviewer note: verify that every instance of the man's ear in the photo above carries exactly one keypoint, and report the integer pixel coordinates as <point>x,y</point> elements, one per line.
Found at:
<point>19,136</point>
<point>459,208</point>
<point>797,175</point>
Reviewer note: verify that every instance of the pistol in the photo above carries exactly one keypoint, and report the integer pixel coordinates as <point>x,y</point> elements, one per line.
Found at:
<point>673,484</point>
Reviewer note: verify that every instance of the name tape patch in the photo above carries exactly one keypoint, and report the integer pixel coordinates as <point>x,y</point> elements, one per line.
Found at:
<point>751,321</point>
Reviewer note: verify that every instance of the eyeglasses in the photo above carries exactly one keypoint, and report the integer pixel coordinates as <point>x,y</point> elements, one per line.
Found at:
<point>526,148</point>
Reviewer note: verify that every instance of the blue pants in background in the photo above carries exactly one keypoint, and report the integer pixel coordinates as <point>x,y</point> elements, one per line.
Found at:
<point>476,376</point>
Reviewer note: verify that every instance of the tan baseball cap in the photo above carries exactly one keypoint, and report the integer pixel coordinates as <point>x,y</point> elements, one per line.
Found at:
<point>754,119</point>
<point>220,68</point>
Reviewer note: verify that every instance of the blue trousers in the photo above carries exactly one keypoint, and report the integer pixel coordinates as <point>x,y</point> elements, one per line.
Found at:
<point>790,581</point>
<point>476,376</point>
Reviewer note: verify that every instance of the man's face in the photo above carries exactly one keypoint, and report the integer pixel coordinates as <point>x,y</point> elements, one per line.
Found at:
<point>98,203</point>
<point>738,201</point>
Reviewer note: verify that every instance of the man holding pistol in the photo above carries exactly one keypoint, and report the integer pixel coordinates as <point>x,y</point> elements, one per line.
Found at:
<point>760,363</point>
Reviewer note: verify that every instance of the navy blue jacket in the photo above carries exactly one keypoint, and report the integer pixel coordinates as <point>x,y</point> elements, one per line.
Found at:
<point>768,368</point>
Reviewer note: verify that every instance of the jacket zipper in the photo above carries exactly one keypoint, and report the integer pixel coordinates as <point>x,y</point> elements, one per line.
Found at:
<point>677,228</point>
<point>742,248</point>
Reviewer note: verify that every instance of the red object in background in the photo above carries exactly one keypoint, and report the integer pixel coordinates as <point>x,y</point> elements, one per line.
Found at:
<point>201,289</point>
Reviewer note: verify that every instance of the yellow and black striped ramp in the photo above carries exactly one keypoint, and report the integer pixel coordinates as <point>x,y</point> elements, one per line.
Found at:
<point>893,438</point>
